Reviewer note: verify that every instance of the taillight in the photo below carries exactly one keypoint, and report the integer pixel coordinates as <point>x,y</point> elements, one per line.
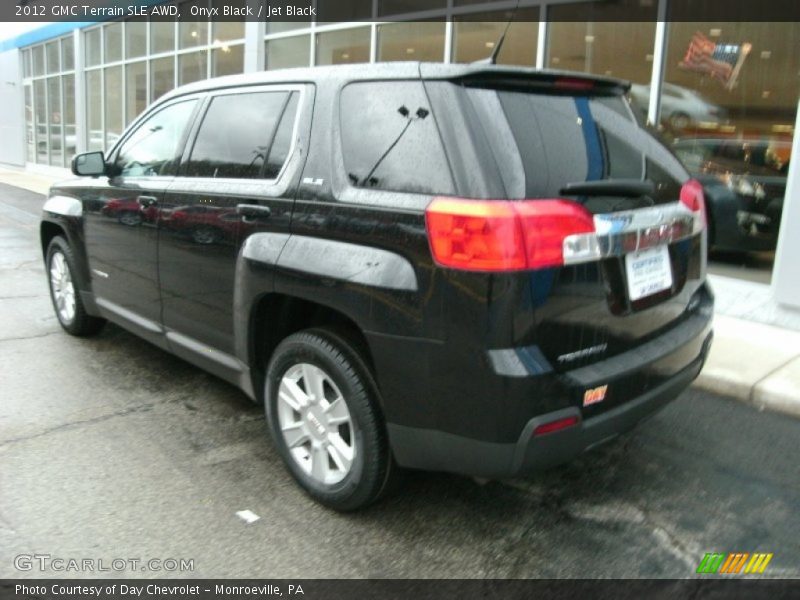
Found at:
<point>475,234</point>
<point>503,235</point>
<point>692,197</point>
<point>557,425</point>
<point>546,224</point>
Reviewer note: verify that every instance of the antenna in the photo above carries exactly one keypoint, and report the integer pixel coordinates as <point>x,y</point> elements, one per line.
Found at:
<point>492,59</point>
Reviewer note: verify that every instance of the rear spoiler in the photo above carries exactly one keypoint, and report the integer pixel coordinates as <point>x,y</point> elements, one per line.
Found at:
<point>567,85</point>
<point>530,80</point>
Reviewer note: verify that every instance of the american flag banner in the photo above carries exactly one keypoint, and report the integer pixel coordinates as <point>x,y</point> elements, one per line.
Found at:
<point>720,61</point>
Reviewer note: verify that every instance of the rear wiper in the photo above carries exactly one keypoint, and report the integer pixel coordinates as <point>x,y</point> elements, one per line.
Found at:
<point>630,188</point>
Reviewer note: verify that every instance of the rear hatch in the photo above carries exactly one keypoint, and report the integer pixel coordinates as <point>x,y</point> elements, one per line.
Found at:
<point>531,137</point>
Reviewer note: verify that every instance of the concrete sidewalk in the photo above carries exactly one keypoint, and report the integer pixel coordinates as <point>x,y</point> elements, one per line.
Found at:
<point>756,352</point>
<point>755,356</point>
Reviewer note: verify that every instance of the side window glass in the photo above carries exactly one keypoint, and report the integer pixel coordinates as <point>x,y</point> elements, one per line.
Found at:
<point>390,140</point>
<point>282,143</point>
<point>152,148</point>
<point>239,136</point>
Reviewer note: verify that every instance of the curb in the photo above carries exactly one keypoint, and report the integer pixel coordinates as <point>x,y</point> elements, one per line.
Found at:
<point>33,182</point>
<point>754,363</point>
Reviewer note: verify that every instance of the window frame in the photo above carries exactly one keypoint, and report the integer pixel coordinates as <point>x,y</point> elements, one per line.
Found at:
<point>113,154</point>
<point>300,88</point>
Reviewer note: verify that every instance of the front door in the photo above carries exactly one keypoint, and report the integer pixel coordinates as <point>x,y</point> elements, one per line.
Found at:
<point>121,215</point>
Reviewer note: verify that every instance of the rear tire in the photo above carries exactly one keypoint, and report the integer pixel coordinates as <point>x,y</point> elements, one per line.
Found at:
<point>64,292</point>
<point>323,413</point>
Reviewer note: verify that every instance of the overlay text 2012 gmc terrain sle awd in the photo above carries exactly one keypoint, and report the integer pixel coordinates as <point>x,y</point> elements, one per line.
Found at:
<point>473,269</point>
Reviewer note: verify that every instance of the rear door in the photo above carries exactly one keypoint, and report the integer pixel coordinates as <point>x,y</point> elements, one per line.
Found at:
<point>573,142</point>
<point>235,179</point>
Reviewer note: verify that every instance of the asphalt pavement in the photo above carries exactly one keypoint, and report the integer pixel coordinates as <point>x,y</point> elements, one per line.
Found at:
<point>113,449</point>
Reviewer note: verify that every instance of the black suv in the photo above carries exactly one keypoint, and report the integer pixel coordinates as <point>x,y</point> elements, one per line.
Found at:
<point>472,269</point>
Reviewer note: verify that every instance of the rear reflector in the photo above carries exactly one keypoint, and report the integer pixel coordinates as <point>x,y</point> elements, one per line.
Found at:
<point>554,426</point>
<point>503,235</point>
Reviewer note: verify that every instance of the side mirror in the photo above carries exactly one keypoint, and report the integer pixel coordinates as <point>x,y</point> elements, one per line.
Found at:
<point>92,164</point>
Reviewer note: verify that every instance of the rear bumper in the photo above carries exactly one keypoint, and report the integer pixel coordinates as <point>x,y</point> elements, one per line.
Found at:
<point>437,450</point>
<point>536,453</point>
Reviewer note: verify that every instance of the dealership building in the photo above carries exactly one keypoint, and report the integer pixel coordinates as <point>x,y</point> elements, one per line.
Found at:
<point>714,87</point>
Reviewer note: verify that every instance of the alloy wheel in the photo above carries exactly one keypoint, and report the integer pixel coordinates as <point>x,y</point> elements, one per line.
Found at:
<point>62,287</point>
<point>315,423</point>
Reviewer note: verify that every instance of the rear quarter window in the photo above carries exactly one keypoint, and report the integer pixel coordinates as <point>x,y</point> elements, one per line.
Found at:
<point>385,149</point>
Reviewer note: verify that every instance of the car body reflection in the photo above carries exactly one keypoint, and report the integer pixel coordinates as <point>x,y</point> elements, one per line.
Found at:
<point>744,182</point>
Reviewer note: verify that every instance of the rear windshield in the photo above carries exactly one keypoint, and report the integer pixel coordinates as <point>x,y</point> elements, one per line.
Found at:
<point>531,145</point>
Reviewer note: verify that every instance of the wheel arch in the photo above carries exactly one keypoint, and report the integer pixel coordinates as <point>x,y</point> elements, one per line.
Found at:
<point>275,316</point>
<point>47,231</point>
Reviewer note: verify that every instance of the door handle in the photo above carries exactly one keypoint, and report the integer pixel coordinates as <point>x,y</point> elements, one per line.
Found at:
<point>147,201</point>
<point>253,211</point>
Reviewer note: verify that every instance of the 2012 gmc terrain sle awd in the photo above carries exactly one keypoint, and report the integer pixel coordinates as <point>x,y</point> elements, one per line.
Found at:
<point>474,269</point>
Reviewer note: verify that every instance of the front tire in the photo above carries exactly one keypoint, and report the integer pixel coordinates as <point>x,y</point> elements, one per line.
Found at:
<point>325,421</point>
<point>64,293</point>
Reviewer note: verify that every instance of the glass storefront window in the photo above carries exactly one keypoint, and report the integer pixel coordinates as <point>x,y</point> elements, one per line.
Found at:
<point>67,54</point>
<point>614,39</point>
<point>30,128</point>
<point>113,105</point>
<point>38,61</point>
<point>192,33</point>
<point>162,37</point>
<point>135,90</point>
<point>94,109</point>
<point>227,60</point>
<point>227,31</point>
<point>618,49</point>
<point>288,52</point>
<point>112,42</point>
<point>40,99</point>
<point>53,61</point>
<point>411,41</point>
<point>93,51</point>
<point>26,63</point>
<point>728,104</point>
<point>54,121</point>
<point>340,47</point>
<point>475,37</point>
<point>70,129</point>
<point>162,76</point>
<point>731,79</point>
<point>192,67</point>
<point>135,39</point>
